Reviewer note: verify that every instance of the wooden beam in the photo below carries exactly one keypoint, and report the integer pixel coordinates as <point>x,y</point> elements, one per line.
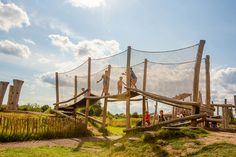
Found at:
<point>160,98</point>
<point>57,90</point>
<point>208,82</point>
<point>89,92</point>
<point>63,115</point>
<point>89,117</point>
<point>214,120</point>
<point>144,89</point>
<point>164,123</point>
<point>3,88</point>
<point>223,105</point>
<point>197,68</point>
<point>75,89</point>
<point>105,100</point>
<point>128,83</point>
<point>66,101</point>
<point>116,100</point>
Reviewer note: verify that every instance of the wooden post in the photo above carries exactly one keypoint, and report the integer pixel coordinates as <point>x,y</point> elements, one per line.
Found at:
<point>10,95</point>
<point>76,89</point>
<point>3,88</point>
<point>14,95</point>
<point>155,114</point>
<point>196,110</point>
<point>226,115</point>
<point>235,103</point>
<point>88,93</point>
<point>144,89</point>
<point>105,99</point>
<point>57,90</point>
<point>208,82</point>
<point>218,110</point>
<point>128,83</point>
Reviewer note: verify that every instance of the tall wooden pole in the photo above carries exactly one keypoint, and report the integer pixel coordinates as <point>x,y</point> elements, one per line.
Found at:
<point>105,99</point>
<point>144,89</point>
<point>235,103</point>
<point>3,88</point>
<point>208,83</point>
<point>196,110</point>
<point>57,91</point>
<point>88,93</point>
<point>76,89</point>
<point>128,83</point>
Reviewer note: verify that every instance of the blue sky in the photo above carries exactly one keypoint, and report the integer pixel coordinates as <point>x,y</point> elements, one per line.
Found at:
<point>40,27</point>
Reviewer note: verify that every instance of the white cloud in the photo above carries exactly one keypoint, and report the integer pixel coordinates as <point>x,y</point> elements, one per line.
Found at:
<point>96,48</point>
<point>44,60</point>
<point>29,41</point>
<point>14,49</point>
<point>63,42</point>
<point>12,16</point>
<point>87,3</point>
<point>223,83</point>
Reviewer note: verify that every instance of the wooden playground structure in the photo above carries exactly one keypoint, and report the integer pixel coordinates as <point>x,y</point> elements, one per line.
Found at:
<point>201,111</point>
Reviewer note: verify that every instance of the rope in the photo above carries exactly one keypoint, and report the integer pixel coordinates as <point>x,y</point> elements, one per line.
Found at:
<point>168,51</point>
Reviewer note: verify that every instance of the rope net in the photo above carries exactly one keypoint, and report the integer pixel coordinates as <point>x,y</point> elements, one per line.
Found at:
<point>169,73</point>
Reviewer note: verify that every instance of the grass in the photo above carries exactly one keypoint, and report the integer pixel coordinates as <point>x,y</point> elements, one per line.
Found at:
<point>115,131</point>
<point>216,150</point>
<point>49,152</point>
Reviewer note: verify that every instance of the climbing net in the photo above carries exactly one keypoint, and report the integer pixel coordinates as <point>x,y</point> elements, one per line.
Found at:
<point>169,73</point>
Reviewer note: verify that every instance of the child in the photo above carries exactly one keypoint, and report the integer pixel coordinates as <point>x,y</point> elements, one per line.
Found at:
<point>147,118</point>
<point>133,78</point>
<point>119,85</point>
<point>161,117</point>
<point>105,79</point>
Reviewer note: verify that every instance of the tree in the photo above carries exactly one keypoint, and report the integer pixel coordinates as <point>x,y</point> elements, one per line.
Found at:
<point>44,108</point>
<point>135,115</point>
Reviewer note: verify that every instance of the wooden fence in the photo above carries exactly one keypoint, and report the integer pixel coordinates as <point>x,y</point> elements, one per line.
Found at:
<point>25,128</point>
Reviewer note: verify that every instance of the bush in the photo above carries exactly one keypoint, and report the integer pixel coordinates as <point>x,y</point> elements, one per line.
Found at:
<point>135,115</point>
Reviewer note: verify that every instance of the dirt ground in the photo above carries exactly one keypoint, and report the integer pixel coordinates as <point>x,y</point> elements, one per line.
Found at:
<point>70,142</point>
<point>217,137</point>
<point>213,137</point>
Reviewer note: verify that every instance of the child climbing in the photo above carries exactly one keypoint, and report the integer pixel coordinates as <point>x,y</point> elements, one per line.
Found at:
<point>133,78</point>
<point>105,79</point>
<point>147,118</point>
<point>161,117</point>
<point>120,85</point>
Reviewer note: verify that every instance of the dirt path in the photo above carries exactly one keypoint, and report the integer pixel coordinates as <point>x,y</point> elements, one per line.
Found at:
<point>72,142</point>
<point>212,137</point>
<point>217,137</point>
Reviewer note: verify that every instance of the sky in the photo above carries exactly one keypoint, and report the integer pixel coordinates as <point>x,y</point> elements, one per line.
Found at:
<point>40,37</point>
